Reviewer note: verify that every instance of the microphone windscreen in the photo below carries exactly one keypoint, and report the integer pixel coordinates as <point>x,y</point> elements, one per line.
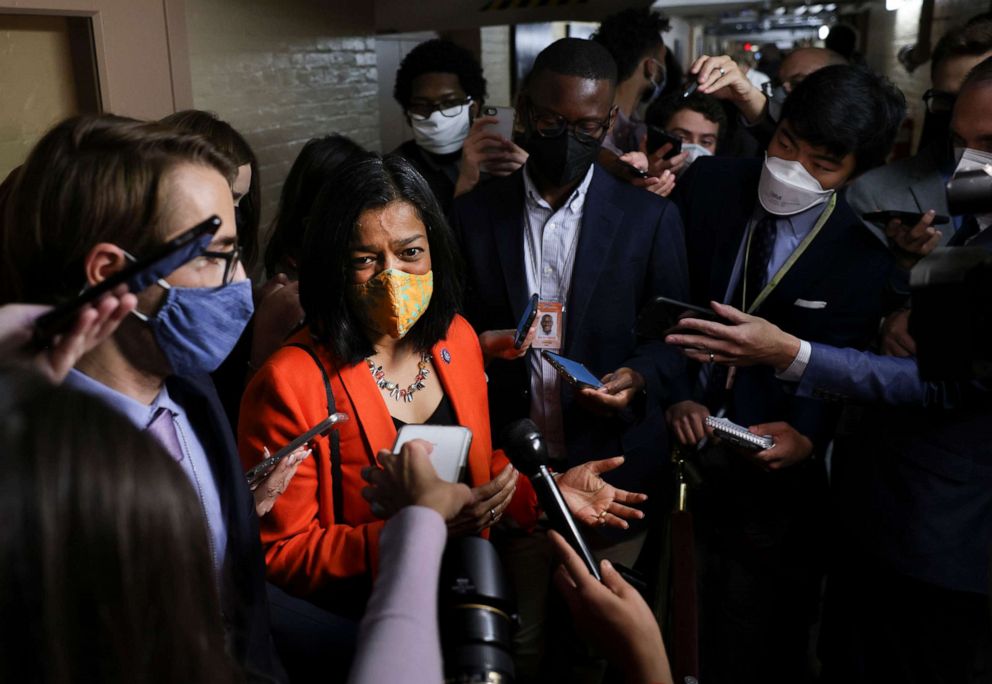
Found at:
<point>525,446</point>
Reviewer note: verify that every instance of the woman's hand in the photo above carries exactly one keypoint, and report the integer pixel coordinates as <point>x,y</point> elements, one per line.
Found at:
<point>498,344</point>
<point>409,479</point>
<point>268,490</point>
<point>595,502</point>
<point>94,324</point>
<point>487,504</point>
<point>721,77</point>
<point>612,616</point>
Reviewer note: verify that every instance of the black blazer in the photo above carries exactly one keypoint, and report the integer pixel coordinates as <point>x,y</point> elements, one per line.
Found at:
<point>835,293</point>
<point>630,249</point>
<point>243,599</point>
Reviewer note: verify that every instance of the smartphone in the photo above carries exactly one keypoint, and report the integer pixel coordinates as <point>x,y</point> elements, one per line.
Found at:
<point>657,138</point>
<point>660,317</point>
<point>573,371</point>
<point>139,275</point>
<point>504,127</point>
<point>907,218</point>
<point>451,444</point>
<point>526,321</point>
<point>733,433</point>
<point>257,474</point>
<point>632,170</point>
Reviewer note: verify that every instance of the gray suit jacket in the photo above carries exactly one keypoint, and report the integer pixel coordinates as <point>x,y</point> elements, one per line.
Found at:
<point>913,184</point>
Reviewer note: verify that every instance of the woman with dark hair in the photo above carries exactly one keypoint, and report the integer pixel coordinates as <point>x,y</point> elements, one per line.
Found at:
<point>314,164</point>
<point>380,284</point>
<point>104,558</point>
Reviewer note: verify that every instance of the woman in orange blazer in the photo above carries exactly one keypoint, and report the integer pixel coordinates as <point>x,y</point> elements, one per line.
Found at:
<point>380,285</point>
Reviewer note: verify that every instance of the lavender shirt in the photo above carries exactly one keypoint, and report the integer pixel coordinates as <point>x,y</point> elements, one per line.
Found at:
<point>398,638</point>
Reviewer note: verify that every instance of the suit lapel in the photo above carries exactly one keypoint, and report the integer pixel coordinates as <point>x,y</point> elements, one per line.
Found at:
<point>507,224</point>
<point>451,373</point>
<point>601,220</point>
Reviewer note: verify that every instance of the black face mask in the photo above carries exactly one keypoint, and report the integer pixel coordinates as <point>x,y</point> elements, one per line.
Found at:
<point>560,160</point>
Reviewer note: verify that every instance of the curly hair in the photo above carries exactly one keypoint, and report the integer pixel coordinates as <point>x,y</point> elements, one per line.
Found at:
<point>630,36</point>
<point>439,56</point>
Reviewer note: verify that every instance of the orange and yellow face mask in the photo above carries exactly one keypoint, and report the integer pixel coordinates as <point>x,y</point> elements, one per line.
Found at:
<point>393,301</point>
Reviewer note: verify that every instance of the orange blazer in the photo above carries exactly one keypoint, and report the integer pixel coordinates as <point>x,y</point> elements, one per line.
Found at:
<point>305,547</point>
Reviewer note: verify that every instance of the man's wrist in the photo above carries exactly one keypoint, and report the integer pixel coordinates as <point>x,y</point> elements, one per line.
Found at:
<point>794,370</point>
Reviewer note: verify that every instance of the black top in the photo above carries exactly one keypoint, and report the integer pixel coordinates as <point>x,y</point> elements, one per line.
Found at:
<point>443,415</point>
<point>439,170</point>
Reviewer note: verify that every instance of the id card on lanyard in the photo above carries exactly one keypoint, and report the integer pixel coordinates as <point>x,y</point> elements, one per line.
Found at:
<point>550,323</point>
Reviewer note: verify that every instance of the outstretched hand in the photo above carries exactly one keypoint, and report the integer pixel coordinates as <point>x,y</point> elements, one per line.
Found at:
<point>595,502</point>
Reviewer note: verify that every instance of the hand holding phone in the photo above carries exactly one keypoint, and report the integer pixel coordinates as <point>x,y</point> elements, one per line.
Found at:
<point>658,138</point>
<point>660,317</point>
<point>573,371</point>
<point>907,218</point>
<point>526,321</point>
<point>258,473</point>
<point>450,447</point>
<point>504,127</point>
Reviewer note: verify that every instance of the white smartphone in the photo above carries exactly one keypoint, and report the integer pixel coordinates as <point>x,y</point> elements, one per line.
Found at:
<point>504,126</point>
<point>451,444</point>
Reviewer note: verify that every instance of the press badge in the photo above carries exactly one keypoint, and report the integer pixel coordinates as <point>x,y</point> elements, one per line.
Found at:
<point>550,324</point>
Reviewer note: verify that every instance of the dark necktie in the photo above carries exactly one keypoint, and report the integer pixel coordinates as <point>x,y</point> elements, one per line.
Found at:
<point>163,428</point>
<point>758,254</point>
<point>969,229</point>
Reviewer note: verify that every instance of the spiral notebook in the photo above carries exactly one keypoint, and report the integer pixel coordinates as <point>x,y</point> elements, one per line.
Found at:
<point>738,436</point>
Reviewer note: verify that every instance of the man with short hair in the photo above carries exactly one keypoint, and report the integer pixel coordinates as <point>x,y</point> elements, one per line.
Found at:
<point>595,250</point>
<point>778,238</point>
<point>697,120</point>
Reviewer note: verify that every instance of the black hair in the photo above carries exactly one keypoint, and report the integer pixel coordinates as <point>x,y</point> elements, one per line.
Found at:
<point>325,270</point>
<point>630,36</point>
<point>232,145</point>
<point>980,73</point>
<point>664,108</point>
<point>316,161</point>
<point>973,39</point>
<point>575,57</point>
<point>104,558</point>
<point>444,57</point>
<point>843,40</point>
<point>847,109</point>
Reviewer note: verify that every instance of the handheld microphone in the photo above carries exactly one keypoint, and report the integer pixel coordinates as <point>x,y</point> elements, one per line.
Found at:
<point>528,453</point>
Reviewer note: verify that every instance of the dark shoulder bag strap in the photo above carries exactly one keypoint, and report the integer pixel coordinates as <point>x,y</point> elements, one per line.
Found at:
<point>336,477</point>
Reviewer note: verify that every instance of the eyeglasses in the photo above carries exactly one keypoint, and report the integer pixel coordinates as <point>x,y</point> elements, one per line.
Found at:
<point>231,261</point>
<point>449,108</point>
<point>550,125</point>
<point>938,101</point>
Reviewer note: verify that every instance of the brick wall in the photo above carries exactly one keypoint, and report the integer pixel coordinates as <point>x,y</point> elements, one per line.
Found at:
<point>282,73</point>
<point>889,31</point>
<point>495,59</point>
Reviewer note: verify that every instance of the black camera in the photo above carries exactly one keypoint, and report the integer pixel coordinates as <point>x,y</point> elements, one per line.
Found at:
<point>477,614</point>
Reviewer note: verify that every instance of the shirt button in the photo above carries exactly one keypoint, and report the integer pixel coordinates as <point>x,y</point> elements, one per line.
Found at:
<point>548,269</point>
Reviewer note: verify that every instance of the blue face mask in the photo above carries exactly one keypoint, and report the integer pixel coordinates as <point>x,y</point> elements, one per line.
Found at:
<point>197,327</point>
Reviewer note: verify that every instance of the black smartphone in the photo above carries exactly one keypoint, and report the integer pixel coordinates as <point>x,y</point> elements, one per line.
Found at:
<point>661,315</point>
<point>907,218</point>
<point>657,137</point>
<point>139,275</point>
<point>573,371</point>
<point>261,471</point>
<point>632,170</point>
<point>526,321</point>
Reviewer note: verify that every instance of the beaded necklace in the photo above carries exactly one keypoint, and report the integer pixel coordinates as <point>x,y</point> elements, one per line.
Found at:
<point>392,388</point>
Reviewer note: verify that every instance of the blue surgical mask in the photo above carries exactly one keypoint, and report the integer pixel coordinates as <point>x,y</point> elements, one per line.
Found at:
<point>197,327</point>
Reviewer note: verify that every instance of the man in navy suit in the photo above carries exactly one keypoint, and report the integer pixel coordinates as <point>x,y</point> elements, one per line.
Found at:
<point>777,238</point>
<point>595,250</point>
<point>907,594</point>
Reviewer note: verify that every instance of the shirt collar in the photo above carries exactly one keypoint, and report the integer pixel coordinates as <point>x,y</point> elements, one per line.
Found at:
<point>575,201</point>
<point>139,414</point>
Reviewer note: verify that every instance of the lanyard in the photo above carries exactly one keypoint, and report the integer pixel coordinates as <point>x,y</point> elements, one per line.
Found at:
<point>789,263</point>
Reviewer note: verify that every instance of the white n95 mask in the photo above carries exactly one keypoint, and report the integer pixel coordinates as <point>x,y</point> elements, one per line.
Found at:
<point>787,188</point>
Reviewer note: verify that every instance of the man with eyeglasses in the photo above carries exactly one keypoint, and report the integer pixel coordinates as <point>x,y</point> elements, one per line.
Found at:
<point>595,250</point>
<point>441,89</point>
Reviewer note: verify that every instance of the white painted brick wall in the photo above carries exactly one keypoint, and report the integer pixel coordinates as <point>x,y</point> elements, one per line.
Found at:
<point>495,42</point>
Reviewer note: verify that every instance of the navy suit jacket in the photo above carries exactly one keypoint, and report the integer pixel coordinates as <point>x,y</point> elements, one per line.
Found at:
<point>844,271</point>
<point>243,597</point>
<point>630,249</point>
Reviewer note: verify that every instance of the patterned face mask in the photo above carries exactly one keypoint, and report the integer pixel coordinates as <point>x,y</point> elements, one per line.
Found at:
<point>393,301</point>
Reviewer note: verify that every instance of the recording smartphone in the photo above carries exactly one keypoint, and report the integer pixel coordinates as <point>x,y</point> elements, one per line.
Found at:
<point>733,433</point>
<point>573,371</point>
<point>139,275</point>
<point>526,321</point>
<point>632,170</point>
<point>261,471</point>
<point>451,444</point>
<point>504,127</point>
<point>657,137</point>
<point>907,218</point>
<point>660,317</point>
